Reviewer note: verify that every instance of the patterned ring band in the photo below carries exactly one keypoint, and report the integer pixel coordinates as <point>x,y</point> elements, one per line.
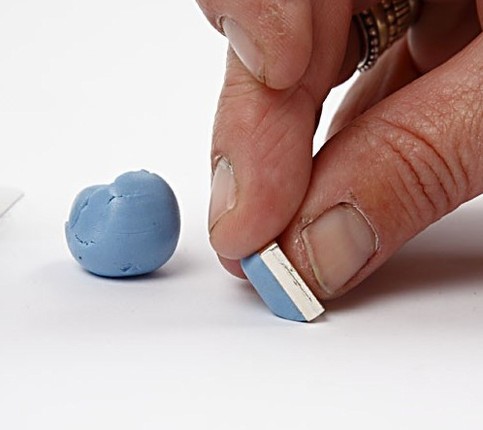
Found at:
<point>381,25</point>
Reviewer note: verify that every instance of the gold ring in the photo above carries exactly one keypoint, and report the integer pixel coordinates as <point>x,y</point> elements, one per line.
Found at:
<point>381,25</point>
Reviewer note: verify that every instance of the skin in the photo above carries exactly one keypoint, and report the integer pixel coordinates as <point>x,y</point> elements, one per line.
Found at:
<point>406,146</point>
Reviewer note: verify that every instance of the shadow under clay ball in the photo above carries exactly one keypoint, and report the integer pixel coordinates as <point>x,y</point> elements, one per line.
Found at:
<point>127,228</point>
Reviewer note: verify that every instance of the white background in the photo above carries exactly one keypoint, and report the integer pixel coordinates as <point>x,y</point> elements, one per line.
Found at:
<point>90,89</point>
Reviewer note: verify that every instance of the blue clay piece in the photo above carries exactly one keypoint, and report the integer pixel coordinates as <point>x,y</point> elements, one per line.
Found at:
<point>127,228</point>
<point>269,289</point>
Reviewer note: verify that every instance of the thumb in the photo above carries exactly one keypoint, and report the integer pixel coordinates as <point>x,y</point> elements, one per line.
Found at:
<point>403,164</point>
<point>272,39</point>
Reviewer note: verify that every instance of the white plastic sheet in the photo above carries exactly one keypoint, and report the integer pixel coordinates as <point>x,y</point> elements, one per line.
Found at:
<point>8,197</point>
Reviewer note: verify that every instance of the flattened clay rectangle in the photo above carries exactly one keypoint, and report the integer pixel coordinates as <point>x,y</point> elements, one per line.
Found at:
<point>280,286</point>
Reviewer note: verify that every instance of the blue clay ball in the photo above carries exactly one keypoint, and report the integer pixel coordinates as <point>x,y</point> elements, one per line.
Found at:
<point>127,228</point>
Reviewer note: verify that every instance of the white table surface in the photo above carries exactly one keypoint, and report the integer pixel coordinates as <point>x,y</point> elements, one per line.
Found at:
<point>91,89</point>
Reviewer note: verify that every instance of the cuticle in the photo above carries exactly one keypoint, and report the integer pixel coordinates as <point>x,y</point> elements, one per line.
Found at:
<point>219,24</point>
<point>355,204</point>
<point>216,160</point>
<point>307,221</point>
<point>370,224</point>
<point>214,164</point>
<point>305,248</point>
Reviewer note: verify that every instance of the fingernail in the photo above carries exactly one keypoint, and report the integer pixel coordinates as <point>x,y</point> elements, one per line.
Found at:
<point>339,243</point>
<point>246,49</point>
<point>223,191</point>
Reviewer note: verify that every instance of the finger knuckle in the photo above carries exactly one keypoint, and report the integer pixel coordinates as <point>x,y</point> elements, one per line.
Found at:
<point>424,181</point>
<point>453,114</point>
<point>466,133</point>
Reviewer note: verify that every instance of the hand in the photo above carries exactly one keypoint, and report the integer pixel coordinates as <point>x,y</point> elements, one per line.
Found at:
<point>406,145</point>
